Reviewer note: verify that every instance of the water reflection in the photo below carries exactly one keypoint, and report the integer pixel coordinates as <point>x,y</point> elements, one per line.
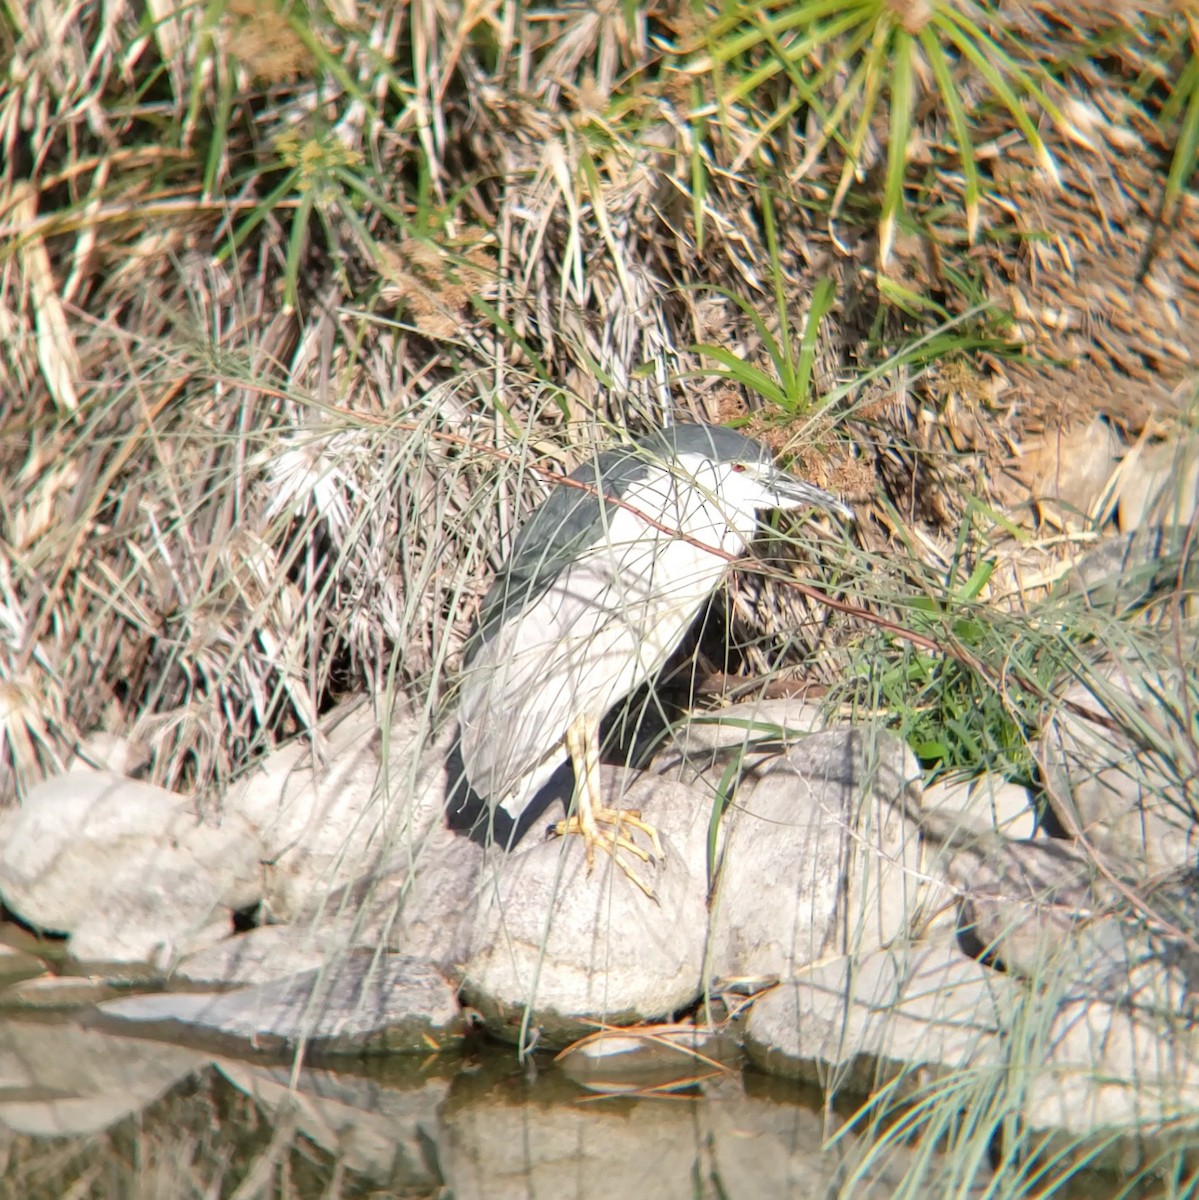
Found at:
<point>91,1114</point>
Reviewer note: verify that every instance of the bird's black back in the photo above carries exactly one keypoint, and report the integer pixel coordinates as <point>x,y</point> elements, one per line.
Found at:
<point>570,519</point>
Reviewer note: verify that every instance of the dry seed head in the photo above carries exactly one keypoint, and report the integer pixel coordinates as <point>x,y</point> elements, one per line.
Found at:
<point>262,39</point>
<point>434,290</point>
<point>913,15</point>
<point>852,479</point>
<point>724,405</point>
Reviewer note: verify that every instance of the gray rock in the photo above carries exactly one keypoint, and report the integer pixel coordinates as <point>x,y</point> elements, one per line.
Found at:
<point>362,1004</point>
<point>1069,467</point>
<point>386,1132</point>
<point>104,751</point>
<point>576,947</point>
<point>1105,785</point>
<point>1023,901</point>
<point>1105,1068</point>
<point>426,903</point>
<point>17,964</point>
<point>50,993</point>
<point>1160,484</point>
<point>1044,911</point>
<point>1126,571</point>
<point>57,1080</point>
<point>655,1056</point>
<point>819,854</point>
<point>854,1022</point>
<point>753,731</point>
<point>1106,1014</point>
<point>958,820</point>
<point>329,815</point>
<point>262,955</point>
<point>125,868</point>
<point>421,906</point>
<point>987,801</point>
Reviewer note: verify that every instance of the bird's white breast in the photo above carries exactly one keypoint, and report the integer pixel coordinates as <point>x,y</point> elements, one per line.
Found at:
<point>607,623</point>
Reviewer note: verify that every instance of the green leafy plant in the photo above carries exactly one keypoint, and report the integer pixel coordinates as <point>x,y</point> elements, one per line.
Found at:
<point>774,63</point>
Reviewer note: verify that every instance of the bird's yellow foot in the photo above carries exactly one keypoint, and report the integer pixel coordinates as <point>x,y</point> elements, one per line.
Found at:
<point>616,843</point>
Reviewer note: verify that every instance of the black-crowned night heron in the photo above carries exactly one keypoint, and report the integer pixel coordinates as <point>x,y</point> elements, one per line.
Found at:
<point>591,602</point>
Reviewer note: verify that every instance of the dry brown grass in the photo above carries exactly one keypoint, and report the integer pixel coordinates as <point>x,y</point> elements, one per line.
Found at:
<point>288,293</point>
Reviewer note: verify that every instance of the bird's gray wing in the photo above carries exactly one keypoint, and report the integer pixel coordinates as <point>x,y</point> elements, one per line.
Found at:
<point>561,528</point>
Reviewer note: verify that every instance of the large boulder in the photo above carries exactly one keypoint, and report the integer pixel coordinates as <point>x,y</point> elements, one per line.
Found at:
<point>355,1004</point>
<point>125,869</point>
<point>1113,758</point>
<point>816,854</point>
<point>331,811</point>
<point>819,853</point>
<point>905,1011</point>
<point>575,946</point>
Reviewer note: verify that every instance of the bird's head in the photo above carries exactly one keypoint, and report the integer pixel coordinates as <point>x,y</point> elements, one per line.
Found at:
<point>739,472</point>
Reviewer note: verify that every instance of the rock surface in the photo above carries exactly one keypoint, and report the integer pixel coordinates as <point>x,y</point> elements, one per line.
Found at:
<point>124,868</point>
<point>328,815</point>
<point>752,732</point>
<point>262,955</point>
<point>614,1063</point>
<point>912,936</point>
<point>819,854</point>
<point>987,801</point>
<point>1114,791</point>
<point>575,946</point>
<point>906,1011</point>
<point>1106,1067</point>
<point>362,1004</point>
<point>427,903</point>
<point>1068,469</point>
<point>1127,571</point>
<point>1160,484</point>
<point>1022,901</point>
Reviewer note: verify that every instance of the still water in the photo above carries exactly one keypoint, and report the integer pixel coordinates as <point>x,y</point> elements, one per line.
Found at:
<point>88,1114</point>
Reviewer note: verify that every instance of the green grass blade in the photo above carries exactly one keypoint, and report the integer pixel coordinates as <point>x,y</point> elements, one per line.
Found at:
<point>217,146</point>
<point>764,30</point>
<point>830,129</point>
<point>874,67</point>
<point>724,797</point>
<point>823,295</point>
<point>297,240</point>
<point>897,142</point>
<point>508,330</point>
<point>781,348</point>
<point>1182,165</point>
<point>934,54</point>
<point>905,298</point>
<point>979,578</point>
<point>737,370</point>
<point>699,170</point>
<point>264,209</point>
<point>984,53</point>
<point>786,58</point>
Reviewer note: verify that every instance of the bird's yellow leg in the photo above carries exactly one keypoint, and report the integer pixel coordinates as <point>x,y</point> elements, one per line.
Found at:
<point>582,741</point>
